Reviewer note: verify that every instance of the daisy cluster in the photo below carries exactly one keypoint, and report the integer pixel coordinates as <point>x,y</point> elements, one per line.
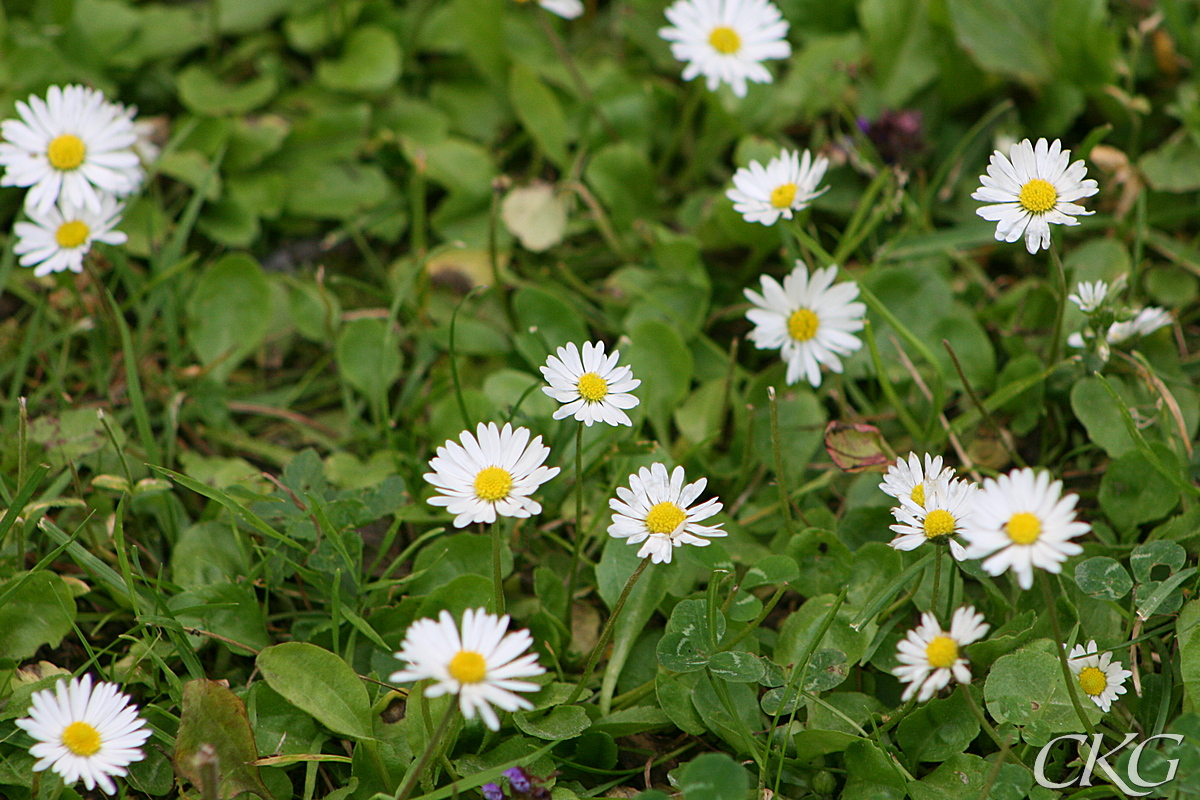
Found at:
<point>78,155</point>
<point>1109,322</point>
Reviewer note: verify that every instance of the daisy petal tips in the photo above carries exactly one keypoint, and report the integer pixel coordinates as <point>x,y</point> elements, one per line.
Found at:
<point>590,385</point>
<point>810,321</point>
<point>84,733</point>
<point>930,657</point>
<point>1100,678</point>
<point>656,511</point>
<point>1022,520</point>
<point>786,185</point>
<point>491,473</point>
<point>1032,188</point>
<point>482,665</point>
<point>726,40</point>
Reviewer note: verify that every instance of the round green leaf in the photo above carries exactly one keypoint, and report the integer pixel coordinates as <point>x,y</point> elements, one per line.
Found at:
<point>1103,578</point>
<point>225,313</point>
<point>736,666</point>
<point>677,653</point>
<point>1160,553</point>
<point>320,683</point>
<point>714,776</point>
<point>40,611</point>
<point>560,722</point>
<point>1132,491</point>
<point>370,62</point>
<point>771,571</point>
<point>368,358</point>
<point>204,93</point>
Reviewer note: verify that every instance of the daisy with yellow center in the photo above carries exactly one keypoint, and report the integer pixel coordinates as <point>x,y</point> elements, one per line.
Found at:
<point>786,185</point>
<point>907,478</point>
<point>656,511</point>
<point>1022,521</point>
<point>945,507</point>
<point>811,321</point>
<point>84,733</point>
<point>726,40</point>
<point>483,665</point>
<point>58,239</point>
<point>930,657</point>
<point>1035,186</point>
<point>1100,678</point>
<point>72,147</point>
<point>590,385</point>
<point>489,474</point>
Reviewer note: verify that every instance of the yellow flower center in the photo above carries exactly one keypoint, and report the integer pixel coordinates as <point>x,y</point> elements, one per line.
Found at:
<point>803,324</point>
<point>66,152</point>
<point>492,484</point>
<point>1093,681</point>
<point>1023,528</point>
<point>467,667</point>
<point>664,518</point>
<point>592,387</point>
<point>725,39</point>
<point>782,196</point>
<point>918,494</point>
<point>1038,196</point>
<point>71,234</point>
<point>942,652</point>
<point>81,739</point>
<point>939,523</point>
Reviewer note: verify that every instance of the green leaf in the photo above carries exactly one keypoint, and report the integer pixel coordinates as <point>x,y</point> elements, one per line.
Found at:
<point>368,358</point>
<point>871,774</point>
<point>962,775</point>
<point>1094,407</point>
<point>938,730</point>
<point>204,93</point>
<point>1174,166</point>
<point>225,313</point>
<point>227,609</point>
<point>630,721</point>
<point>658,351</point>
<point>1161,597</point>
<point>674,694</point>
<point>335,190</point>
<point>75,433</point>
<point>546,322</point>
<point>1005,36</point>
<point>540,113</point>
<point>678,653</point>
<point>714,776</point>
<point>826,670</point>
<point>560,722</point>
<point>1103,578</point>
<point>903,47</point>
<point>370,62</point>
<point>212,715</point>
<point>617,563</point>
<point>1026,688</point>
<point>448,557</point>
<point>41,611</point>
<point>1132,491</point>
<point>736,666</point>
<point>621,175</point>
<point>774,570</point>
<point>321,683</point>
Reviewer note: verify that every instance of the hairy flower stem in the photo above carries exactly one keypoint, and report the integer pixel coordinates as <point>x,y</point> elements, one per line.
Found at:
<point>937,580</point>
<point>579,532</point>
<point>777,451</point>
<point>497,578</point>
<point>434,745</point>
<point>1060,297</point>
<point>606,634</point>
<point>1059,645</point>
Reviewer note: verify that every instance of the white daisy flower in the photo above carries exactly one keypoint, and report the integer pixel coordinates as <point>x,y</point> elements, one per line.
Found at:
<point>592,387</point>
<point>1145,321</point>
<point>1089,296</point>
<point>1022,521</point>
<point>724,40</point>
<point>810,320</point>
<point>905,478</point>
<point>787,184</point>
<point>489,475</point>
<point>1101,678</point>
<point>481,666</point>
<point>1033,188</point>
<point>567,9</point>
<point>929,657</point>
<point>85,733</point>
<point>59,238</point>
<point>657,509</point>
<point>74,145</point>
<point>945,509</point>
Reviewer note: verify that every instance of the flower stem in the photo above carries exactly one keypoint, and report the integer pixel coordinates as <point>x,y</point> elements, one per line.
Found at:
<point>606,634</point>
<point>777,453</point>
<point>579,532</point>
<point>937,580</point>
<point>1059,645</point>
<point>434,744</point>
<point>1060,295</point>
<point>497,579</point>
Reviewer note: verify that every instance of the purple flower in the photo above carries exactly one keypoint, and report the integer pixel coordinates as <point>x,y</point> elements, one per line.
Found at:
<point>492,792</point>
<point>518,779</point>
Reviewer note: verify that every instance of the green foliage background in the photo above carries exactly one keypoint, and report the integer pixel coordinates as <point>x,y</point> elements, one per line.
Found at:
<point>274,355</point>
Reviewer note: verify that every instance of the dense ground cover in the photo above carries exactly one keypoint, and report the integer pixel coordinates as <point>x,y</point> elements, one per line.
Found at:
<point>364,229</point>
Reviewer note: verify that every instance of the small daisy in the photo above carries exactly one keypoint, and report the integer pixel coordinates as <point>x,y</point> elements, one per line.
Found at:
<point>1146,321</point>
<point>1032,188</point>
<point>724,40</point>
<point>945,509</point>
<point>58,239</point>
<point>1089,296</point>
<point>810,320</point>
<point>1022,521</point>
<point>905,478</point>
<point>592,387</point>
<point>480,666</point>
<point>1101,678</point>
<point>787,184</point>
<point>567,9</point>
<point>929,657</point>
<point>74,145</point>
<point>489,475</point>
<point>656,509</point>
<point>85,733</point>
